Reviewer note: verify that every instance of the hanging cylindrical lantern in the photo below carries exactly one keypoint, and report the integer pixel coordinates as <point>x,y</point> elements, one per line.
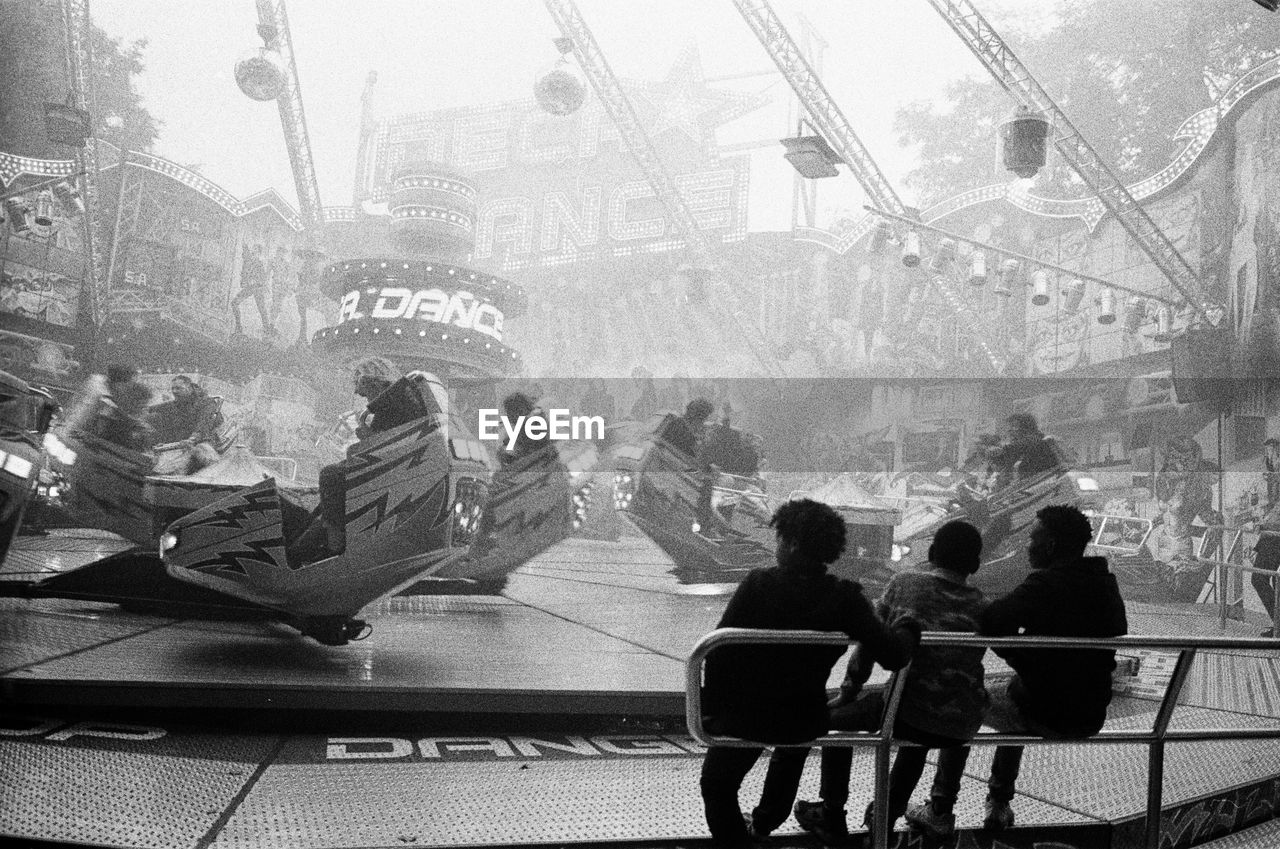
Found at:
<point>1002,287</point>
<point>911,249</point>
<point>1024,141</point>
<point>1040,287</point>
<point>943,256</point>
<point>977,269</point>
<point>1164,324</point>
<point>880,236</point>
<point>1009,271</point>
<point>1107,306</point>
<point>1135,313</point>
<point>1073,294</point>
<point>44,209</point>
<point>69,196</point>
<point>16,208</point>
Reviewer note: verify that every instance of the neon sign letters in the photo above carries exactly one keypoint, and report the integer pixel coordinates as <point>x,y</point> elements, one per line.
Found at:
<point>458,309</point>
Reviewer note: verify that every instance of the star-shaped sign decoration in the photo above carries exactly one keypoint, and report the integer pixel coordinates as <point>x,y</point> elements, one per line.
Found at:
<point>683,104</point>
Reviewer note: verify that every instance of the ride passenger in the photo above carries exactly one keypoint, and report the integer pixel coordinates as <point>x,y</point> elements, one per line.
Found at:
<point>684,433</point>
<point>184,429</point>
<point>1055,693</point>
<point>113,407</point>
<point>373,379</point>
<point>1025,453</point>
<point>777,694</point>
<point>943,697</point>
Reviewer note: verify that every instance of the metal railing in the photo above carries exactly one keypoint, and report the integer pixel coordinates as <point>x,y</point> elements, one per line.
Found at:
<point>1215,538</point>
<point>882,739</point>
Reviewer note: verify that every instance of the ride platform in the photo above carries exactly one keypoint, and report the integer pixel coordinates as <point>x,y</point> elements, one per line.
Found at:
<point>551,714</point>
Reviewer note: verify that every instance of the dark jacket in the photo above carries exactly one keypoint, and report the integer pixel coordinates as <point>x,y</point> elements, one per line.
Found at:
<point>1024,460</point>
<point>1065,689</point>
<point>679,434</point>
<point>398,404</point>
<point>726,449</point>
<point>777,694</point>
<point>196,418</point>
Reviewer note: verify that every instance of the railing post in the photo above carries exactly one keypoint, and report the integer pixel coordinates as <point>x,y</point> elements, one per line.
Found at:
<point>1155,749</point>
<point>884,746</point>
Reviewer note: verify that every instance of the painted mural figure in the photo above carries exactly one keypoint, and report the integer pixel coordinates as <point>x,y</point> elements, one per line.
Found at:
<point>253,284</point>
<point>1184,489</point>
<point>282,282</point>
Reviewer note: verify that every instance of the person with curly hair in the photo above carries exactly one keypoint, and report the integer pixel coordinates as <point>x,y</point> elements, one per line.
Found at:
<point>777,694</point>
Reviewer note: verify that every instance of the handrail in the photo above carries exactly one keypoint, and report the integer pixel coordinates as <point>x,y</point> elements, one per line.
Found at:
<point>883,740</point>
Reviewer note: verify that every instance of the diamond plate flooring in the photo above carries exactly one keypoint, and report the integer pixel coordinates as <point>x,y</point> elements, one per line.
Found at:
<point>71,777</point>
<point>591,625</point>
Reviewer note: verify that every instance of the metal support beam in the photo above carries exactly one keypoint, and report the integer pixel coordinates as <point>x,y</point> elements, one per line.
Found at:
<point>998,58</point>
<point>293,119</point>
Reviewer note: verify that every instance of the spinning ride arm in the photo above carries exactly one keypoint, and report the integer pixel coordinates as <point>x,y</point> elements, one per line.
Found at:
<point>272,17</point>
<point>985,43</point>
<point>619,109</point>
<point>825,115</point>
<point>77,23</point>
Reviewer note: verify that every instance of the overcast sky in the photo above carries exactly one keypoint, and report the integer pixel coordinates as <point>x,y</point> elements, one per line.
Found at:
<point>433,54</point>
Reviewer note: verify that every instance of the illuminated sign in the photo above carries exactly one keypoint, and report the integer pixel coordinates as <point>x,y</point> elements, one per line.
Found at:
<point>459,309</point>
<point>560,189</point>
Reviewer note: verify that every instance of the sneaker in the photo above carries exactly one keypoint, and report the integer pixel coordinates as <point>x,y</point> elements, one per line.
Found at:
<point>757,835</point>
<point>826,825</point>
<point>999,816</point>
<point>927,821</point>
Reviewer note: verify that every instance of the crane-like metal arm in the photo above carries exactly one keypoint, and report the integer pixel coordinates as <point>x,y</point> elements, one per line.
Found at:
<point>271,13</point>
<point>619,109</point>
<point>985,43</point>
<point>78,28</point>
<point>826,116</point>
<point>818,102</point>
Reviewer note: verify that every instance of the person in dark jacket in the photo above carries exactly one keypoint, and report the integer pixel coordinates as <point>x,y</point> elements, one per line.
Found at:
<point>684,433</point>
<point>777,694</point>
<point>1059,693</point>
<point>391,403</point>
<point>943,697</point>
<point>187,426</point>
<point>1025,453</point>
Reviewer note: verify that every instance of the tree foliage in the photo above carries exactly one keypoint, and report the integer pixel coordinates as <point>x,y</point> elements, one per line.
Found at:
<point>118,113</point>
<point>1126,74</point>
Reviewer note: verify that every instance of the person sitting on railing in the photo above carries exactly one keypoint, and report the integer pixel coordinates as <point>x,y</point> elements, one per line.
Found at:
<point>1057,693</point>
<point>777,694</point>
<point>943,698</point>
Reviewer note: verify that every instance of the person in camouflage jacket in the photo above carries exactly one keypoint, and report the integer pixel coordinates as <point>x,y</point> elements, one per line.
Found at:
<point>943,697</point>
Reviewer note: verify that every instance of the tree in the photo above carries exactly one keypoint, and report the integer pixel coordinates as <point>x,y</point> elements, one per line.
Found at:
<point>33,71</point>
<point>118,113</point>
<point>1126,74</point>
